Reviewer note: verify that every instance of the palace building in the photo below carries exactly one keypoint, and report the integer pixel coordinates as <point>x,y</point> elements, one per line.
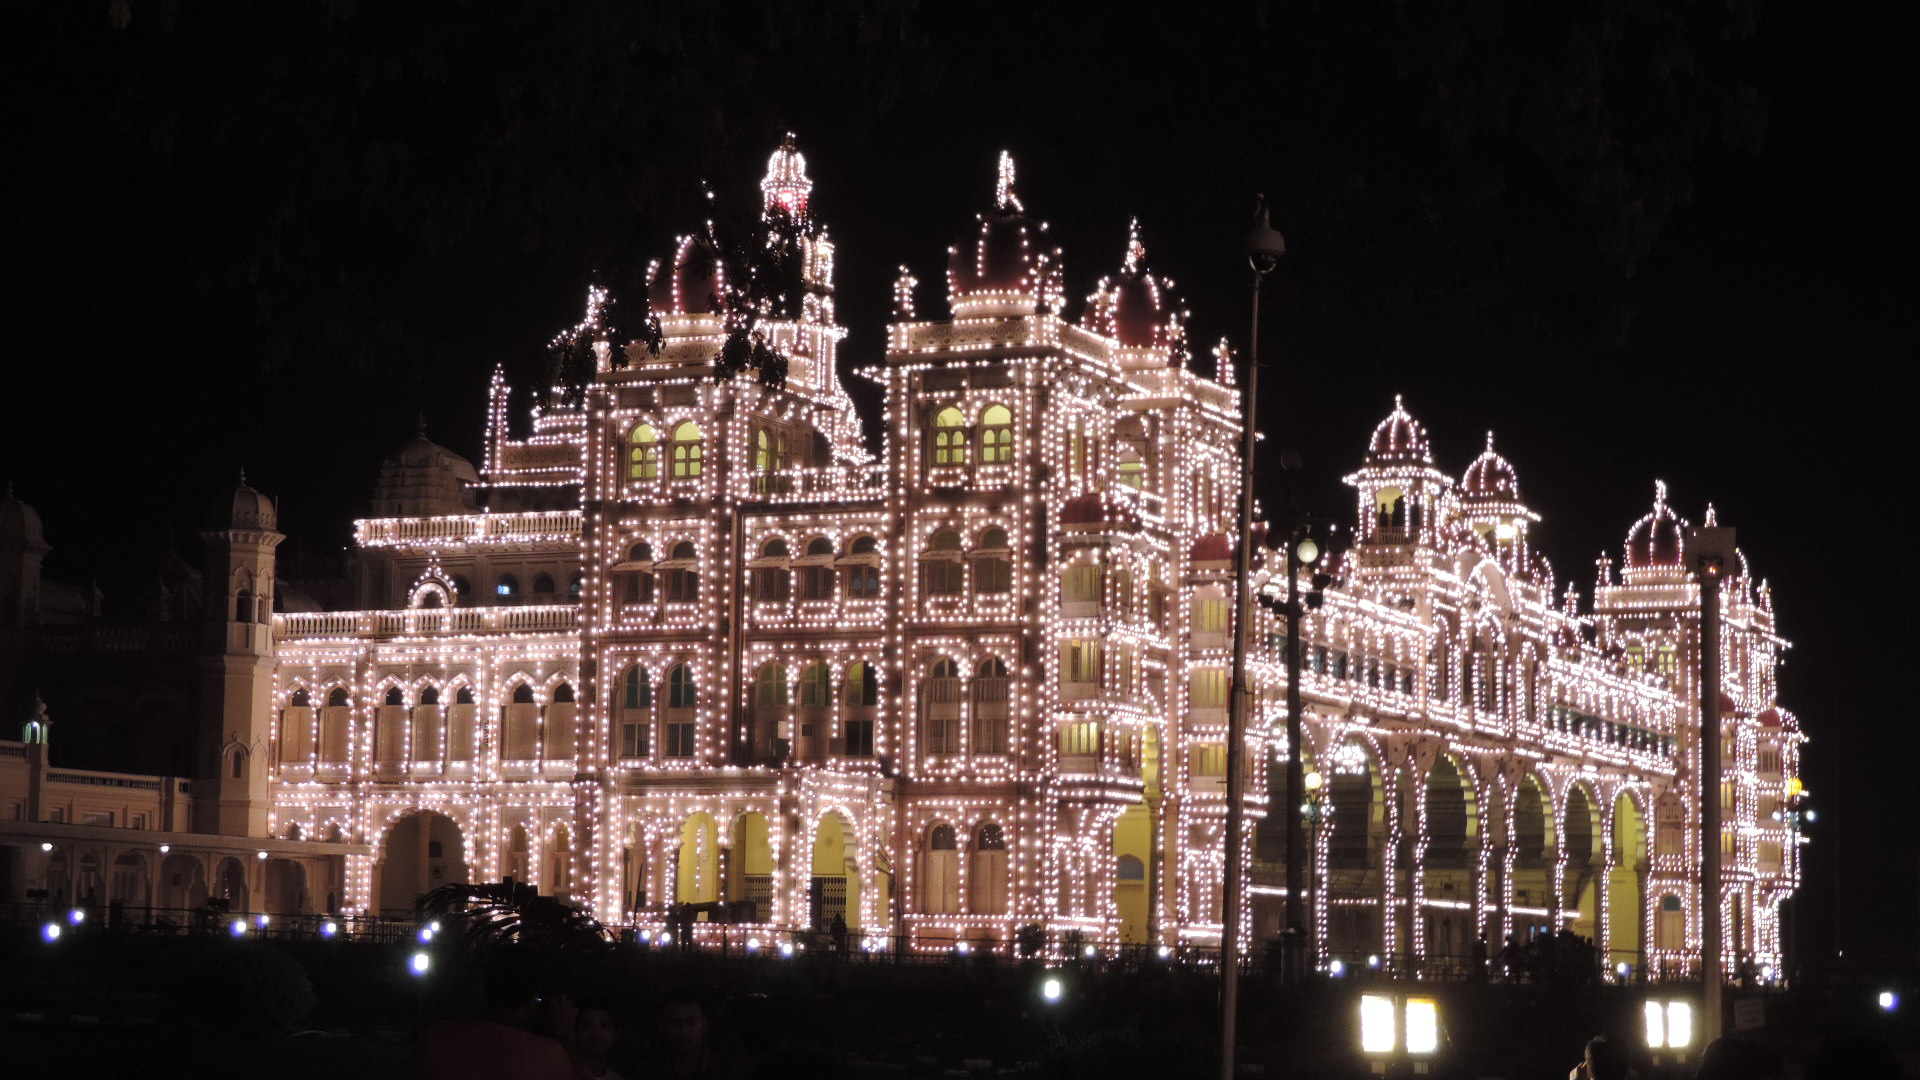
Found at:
<point>684,639</point>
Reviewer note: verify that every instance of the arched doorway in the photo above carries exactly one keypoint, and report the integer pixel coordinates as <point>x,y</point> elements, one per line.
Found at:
<point>697,880</point>
<point>559,876</point>
<point>750,869</point>
<point>1579,884</point>
<point>835,889</point>
<point>1132,854</point>
<point>183,883</point>
<point>89,885</point>
<point>287,887</point>
<point>1532,869</point>
<point>230,884</point>
<point>422,851</point>
<point>1354,883</point>
<point>1626,902</point>
<point>130,888</point>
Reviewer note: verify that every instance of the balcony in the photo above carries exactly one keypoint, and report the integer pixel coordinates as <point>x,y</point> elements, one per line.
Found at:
<point>470,530</point>
<point>553,618</point>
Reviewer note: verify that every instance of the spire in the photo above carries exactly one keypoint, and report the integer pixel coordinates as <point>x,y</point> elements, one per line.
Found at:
<point>1489,440</point>
<point>1003,196</point>
<point>1136,249</point>
<point>1659,496</point>
<point>243,476</point>
<point>420,424</point>
<point>1712,517</point>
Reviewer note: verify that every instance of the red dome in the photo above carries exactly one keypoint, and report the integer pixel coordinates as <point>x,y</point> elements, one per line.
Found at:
<point>1727,705</point>
<point>1003,257</point>
<point>1399,438</point>
<point>1654,540</point>
<point>1770,718</point>
<point>1491,477</point>
<point>1085,510</point>
<point>1135,307</point>
<point>1213,547</point>
<point>695,284</point>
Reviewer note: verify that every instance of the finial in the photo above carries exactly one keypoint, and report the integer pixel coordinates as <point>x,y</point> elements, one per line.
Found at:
<point>243,476</point>
<point>420,425</point>
<point>1489,441</point>
<point>1003,196</point>
<point>1659,495</point>
<point>1398,404</point>
<point>1712,517</point>
<point>1136,250</point>
<point>788,143</point>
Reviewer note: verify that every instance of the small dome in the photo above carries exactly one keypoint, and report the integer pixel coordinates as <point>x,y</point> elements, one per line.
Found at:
<point>1213,547</point>
<point>242,508</point>
<point>423,478</point>
<point>1491,477</point>
<point>1135,307</point>
<point>1002,269</point>
<point>1654,540</point>
<point>1399,438</point>
<point>1727,705</point>
<point>20,523</point>
<point>694,285</point>
<point>1770,718</point>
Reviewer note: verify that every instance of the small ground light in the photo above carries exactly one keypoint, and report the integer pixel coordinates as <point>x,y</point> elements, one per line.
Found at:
<point>1623,969</point>
<point>1889,1001</point>
<point>76,916</point>
<point>164,848</point>
<point>261,921</point>
<point>46,846</point>
<point>1373,962</point>
<point>239,927</point>
<point>645,937</point>
<point>259,854</point>
<point>963,948</point>
<point>1336,969</point>
<point>753,944</point>
<point>1052,988</point>
<point>426,934</point>
<point>666,938</point>
<point>1423,1026</point>
<point>420,963</point>
<point>50,932</point>
<point>1165,951</point>
<point>1669,1025</point>
<point>1378,1034</point>
<point>786,948</point>
<point>1089,952</point>
<point>434,926</point>
<point>328,929</point>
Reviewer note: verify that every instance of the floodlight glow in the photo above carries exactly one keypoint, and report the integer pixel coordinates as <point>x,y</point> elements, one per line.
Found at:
<point>426,934</point>
<point>164,848</point>
<point>646,937</point>
<point>1166,951</point>
<point>261,921</point>
<point>1623,969</point>
<point>1373,962</point>
<point>1889,1001</point>
<point>260,855</point>
<point>1679,1024</point>
<point>1656,1025</point>
<point>1336,969</point>
<point>44,846</point>
<point>1052,988</point>
<point>963,948</point>
<point>1377,1035</point>
<point>238,928</point>
<point>420,963</point>
<point>1089,952</point>
<point>434,926</point>
<point>50,932</point>
<point>1423,1026</point>
<point>328,929</point>
<point>786,948</point>
<point>753,944</point>
<point>666,937</point>
<point>76,916</point>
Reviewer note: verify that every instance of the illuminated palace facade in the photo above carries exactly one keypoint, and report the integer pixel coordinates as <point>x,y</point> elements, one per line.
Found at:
<point>702,647</point>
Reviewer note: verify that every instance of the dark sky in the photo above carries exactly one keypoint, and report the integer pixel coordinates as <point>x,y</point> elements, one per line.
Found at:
<point>1638,240</point>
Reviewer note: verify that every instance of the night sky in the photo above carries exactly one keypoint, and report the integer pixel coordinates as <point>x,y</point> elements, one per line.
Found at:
<point>1638,240</point>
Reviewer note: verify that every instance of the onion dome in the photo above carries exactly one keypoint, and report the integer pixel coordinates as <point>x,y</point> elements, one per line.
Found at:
<point>20,524</point>
<point>424,479</point>
<point>242,508</point>
<point>1399,438</point>
<point>786,185</point>
<point>1136,307</point>
<point>694,284</point>
<point>1491,477</point>
<point>1213,547</point>
<point>1770,717</point>
<point>1002,270</point>
<point>1654,540</point>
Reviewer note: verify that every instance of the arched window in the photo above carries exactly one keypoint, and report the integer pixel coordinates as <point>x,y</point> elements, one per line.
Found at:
<point>816,685</point>
<point>940,872</point>
<point>299,700</point>
<point>769,450</point>
<point>949,438</point>
<point>990,694</point>
<point>1080,588</point>
<point>507,588</point>
<point>773,583</point>
<point>643,453</point>
<point>940,708</point>
<point>771,689</point>
<point>243,606</point>
<point>395,697</point>
<point>563,694</point>
<point>863,575</point>
<point>996,435</point>
<point>941,567</point>
<point>1133,471</point>
<point>543,584</point>
<point>683,579</point>
<point>816,578</point>
<point>862,698</point>
<point>464,696</point>
<point>987,871</point>
<point>638,587</point>
<point>430,696</point>
<point>523,694</point>
<point>688,450</point>
<point>337,698</point>
<point>239,764</point>
<point>682,697</point>
<point>635,714</point>
<point>992,565</point>
<point>575,584</point>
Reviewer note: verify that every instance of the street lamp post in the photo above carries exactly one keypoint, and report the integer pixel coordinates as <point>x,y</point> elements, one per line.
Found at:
<point>1263,247</point>
<point>1709,551</point>
<point>1315,809</point>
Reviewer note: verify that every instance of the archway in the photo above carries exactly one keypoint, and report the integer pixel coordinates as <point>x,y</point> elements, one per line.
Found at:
<point>697,877</point>
<point>1132,854</point>
<point>422,851</point>
<point>1351,893</point>
<point>89,884</point>
<point>1626,902</point>
<point>287,887</point>
<point>750,869</point>
<point>1580,889</point>
<point>559,876</point>
<point>230,884</point>
<point>183,883</point>
<point>130,886</point>
<point>835,889</point>
<point>1452,825</point>
<point>1532,870</point>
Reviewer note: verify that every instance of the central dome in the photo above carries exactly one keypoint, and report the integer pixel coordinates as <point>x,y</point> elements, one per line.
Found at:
<point>1399,438</point>
<point>1002,270</point>
<point>1136,307</point>
<point>695,285</point>
<point>1655,540</point>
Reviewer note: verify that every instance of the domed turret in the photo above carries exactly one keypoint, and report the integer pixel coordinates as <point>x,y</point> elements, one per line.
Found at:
<point>696,282</point>
<point>1002,270</point>
<point>242,508</point>
<point>1654,542</point>
<point>786,185</point>
<point>1490,477</point>
<point>424,479</point>
<point>1399,438</point>
<point>1137,308</point>
<point>20,524</point>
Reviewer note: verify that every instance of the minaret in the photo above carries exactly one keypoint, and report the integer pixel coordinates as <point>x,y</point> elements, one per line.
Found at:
<point>236,665</point>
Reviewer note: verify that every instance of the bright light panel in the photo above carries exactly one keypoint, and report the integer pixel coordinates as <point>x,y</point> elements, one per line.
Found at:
<point>1423,1026</point>
<point>1656,1025</point>
<point>1679,1024</point>
<point>1376,1024</point>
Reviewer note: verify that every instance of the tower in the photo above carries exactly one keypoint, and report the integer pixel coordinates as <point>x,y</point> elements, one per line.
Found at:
<point>236,665</point>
